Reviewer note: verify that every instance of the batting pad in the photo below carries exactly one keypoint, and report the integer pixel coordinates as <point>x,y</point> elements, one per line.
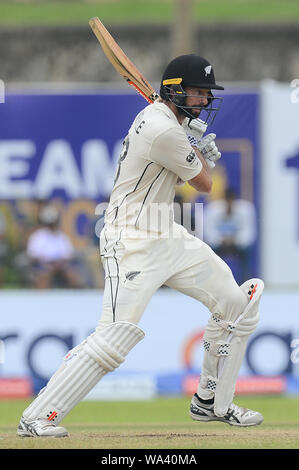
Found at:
<point>229,365</point>
<point>225,345</point>
<point>82,368</point>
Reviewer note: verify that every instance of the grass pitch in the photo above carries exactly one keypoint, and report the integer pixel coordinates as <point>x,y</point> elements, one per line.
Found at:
<point>163,423</point>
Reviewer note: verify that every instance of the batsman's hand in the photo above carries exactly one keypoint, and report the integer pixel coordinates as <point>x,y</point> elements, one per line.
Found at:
<point>209,149</point>
<point>195,130</point>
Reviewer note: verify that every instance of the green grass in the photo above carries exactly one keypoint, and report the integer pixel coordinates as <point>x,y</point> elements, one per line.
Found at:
<point>158,11</point>
<point>163,423</point>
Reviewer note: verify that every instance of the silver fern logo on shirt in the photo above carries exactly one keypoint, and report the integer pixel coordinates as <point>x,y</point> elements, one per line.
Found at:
<point>132,274</point>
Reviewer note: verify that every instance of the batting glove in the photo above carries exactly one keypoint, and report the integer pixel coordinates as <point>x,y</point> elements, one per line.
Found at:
<point>209,149</point>
<point>195,128</point>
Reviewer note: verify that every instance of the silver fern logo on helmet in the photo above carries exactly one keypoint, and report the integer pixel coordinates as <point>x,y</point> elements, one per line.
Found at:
<point>208,70</point>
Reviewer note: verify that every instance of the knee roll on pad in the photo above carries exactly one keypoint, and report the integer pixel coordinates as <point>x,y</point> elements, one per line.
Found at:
<point>109,346</point>
<point>230,353</point>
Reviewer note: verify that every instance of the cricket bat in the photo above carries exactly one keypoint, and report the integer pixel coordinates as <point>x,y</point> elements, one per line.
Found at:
<point>121,62</point>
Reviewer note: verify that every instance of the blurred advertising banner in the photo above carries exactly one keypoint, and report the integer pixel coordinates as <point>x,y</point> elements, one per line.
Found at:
<point>65,147</point>
<point>280,183</point>
<point>39,328</point>
<point>61,145</point>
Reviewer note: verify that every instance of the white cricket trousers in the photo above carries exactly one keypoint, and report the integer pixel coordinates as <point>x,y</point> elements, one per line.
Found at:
<point>136,266</point>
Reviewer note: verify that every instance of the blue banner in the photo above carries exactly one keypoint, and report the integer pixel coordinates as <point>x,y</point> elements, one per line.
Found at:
<point>65,147</point>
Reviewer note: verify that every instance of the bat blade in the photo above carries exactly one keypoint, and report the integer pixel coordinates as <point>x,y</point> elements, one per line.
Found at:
<point>121,62</point>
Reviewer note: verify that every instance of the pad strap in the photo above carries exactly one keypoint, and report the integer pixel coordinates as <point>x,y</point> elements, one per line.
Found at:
<point>226,325</point>
<point>208,382</point>
<point>216,349</point>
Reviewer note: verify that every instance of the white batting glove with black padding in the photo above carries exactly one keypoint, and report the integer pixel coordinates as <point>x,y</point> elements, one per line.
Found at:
<point>209,149</point>
<point>195,130</point>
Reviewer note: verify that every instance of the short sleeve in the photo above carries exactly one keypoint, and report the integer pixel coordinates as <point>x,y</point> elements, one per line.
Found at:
<point>172,150</point>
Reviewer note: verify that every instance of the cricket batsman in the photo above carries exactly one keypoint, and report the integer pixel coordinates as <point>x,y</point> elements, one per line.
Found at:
<point>142,248</point>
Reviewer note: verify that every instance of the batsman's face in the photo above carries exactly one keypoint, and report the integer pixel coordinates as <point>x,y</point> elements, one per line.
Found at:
<point>197,99</point>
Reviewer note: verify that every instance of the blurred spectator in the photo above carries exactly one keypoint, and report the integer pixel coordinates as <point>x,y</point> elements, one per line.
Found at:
<point>230,228</point>
<point>3,247</point>
<point>51,254</point>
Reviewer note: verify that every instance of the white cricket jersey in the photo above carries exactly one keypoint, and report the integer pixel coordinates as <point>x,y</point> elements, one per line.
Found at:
<point>156,152</point>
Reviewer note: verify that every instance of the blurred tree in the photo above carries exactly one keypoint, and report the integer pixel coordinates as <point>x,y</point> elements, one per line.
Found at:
<point>183,27</point>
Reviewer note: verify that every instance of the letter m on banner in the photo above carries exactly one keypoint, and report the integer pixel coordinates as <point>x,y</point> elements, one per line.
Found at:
<point>2,91</point>
<point>2,351</point>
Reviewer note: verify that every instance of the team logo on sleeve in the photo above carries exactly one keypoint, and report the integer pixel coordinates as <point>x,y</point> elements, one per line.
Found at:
<point>191,158</point>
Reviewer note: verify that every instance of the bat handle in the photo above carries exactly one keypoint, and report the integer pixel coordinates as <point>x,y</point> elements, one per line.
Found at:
<point>210,164</point>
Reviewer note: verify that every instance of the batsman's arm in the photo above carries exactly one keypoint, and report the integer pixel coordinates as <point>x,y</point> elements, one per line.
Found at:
<point>203,181</point>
